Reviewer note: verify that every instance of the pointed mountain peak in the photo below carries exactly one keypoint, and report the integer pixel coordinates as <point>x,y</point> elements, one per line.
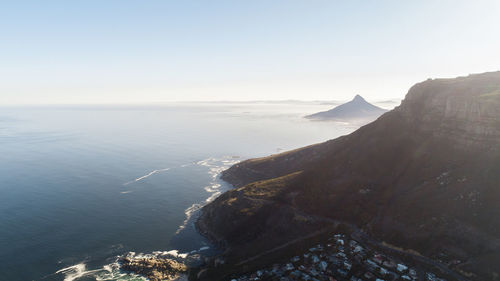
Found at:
<point>356,109</point>
<point>358,98</point>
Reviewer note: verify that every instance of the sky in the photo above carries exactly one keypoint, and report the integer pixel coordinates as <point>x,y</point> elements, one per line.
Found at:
<point>91,52</point>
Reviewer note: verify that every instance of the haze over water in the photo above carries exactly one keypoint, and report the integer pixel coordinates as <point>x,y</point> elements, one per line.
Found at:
<point>81,185</point>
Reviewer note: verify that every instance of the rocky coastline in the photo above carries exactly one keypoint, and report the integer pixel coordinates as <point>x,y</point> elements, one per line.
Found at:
<point>422,177</point>
<point>155,267</point>
<point>428,168</point>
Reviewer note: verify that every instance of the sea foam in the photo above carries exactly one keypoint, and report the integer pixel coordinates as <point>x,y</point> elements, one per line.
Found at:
<point>147,175</point>
<point>215,167</point>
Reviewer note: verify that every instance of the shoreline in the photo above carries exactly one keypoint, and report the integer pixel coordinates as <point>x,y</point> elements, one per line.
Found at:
<point>157,264</point>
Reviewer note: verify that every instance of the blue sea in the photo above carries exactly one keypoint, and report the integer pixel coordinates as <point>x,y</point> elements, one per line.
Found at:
<point>81,185</point>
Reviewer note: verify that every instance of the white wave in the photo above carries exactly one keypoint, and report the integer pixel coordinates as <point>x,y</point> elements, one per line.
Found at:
<point>175,253</point>
<point>112,272</point>
<point>75,271</point>
<point>213,196</point>
<point>155,172</point>
<point>108,268</point>
<point>205,162</point>
<point>212,188</point>
<point>147,175</point>
<point>156,254</point>
<point>204,248</point>
<point>125,192</point>
<point>188,212</point>
<point>109,272</point>
<point>215,167</point>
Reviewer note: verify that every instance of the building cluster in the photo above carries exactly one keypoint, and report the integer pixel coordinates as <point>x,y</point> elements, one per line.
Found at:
<point>341,259</point>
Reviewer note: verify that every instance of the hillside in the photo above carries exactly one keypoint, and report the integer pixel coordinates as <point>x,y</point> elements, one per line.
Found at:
<point>356,110</point>
<point>424,176</point>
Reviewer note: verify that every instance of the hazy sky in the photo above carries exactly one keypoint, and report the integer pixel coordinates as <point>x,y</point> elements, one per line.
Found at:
<point>148,51</point>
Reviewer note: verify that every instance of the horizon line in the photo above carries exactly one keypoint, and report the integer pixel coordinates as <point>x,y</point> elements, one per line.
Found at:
<point>394,99</point>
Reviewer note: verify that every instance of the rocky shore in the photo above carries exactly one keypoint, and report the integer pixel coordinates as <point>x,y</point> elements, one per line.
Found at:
<point>155,268</point>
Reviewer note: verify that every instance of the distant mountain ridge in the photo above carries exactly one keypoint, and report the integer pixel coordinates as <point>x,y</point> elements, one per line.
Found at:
<point>358,109</point>
<point>424,176</point>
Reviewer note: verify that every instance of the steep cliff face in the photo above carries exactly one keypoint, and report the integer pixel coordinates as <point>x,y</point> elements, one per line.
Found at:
<point>423,176</point>
<point>465,109</point>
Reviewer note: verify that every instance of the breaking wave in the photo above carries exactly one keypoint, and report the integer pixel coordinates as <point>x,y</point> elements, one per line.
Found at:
<point>108,272</point>
<point>215,167</point>
<point>73,272</point>
<point>154,172</point>
<point>147,175</point>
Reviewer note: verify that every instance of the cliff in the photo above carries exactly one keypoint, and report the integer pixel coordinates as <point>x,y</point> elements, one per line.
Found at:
<point>423,176</point>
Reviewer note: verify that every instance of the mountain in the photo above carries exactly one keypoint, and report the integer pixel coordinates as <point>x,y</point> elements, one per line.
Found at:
<point>422,177</point>
<point>358,109</point>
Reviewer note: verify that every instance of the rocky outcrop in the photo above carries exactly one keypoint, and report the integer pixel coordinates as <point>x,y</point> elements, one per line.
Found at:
<point>153,268</point>
<point>423,176</point>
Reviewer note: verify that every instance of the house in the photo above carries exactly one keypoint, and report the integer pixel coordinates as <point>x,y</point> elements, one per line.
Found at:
<point>371,263</point>
<point>347,265</point>
<point>431,276</point>
<point>401,267</point>
<point>340,255</point>
<point>389,264</point>
<point>314,272</point>
<point>357,249</point>
<point>378,258</point>
<point>323,265</point>
<point>383,271</point>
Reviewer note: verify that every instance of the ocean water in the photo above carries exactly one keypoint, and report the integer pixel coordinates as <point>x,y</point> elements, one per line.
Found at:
<point>80,185</point>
